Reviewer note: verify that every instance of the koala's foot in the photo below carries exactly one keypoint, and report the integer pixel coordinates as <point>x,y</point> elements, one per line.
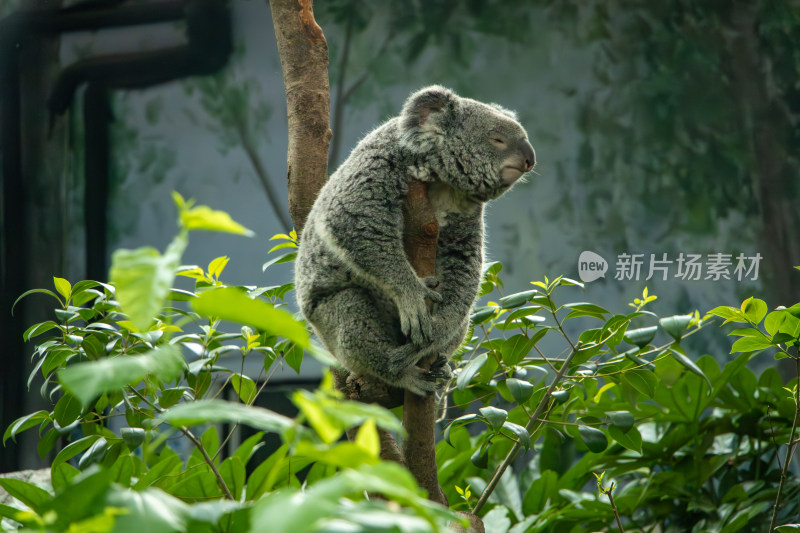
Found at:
<point>441,368</point>
<point>419,381</point>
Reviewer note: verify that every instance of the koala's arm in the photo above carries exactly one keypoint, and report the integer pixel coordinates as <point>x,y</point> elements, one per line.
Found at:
<point>363,227</point>
<point>460,264</point>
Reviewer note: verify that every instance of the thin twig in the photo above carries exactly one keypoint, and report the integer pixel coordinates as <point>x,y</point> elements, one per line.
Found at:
<point>540,408</point>
<point>790,447</point>
<point>189,435</point>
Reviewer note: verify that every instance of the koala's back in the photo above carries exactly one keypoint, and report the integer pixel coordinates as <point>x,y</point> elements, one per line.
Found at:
<point>321,269</point>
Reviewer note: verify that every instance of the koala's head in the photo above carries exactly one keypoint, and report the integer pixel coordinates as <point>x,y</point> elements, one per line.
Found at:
<point>479,149</point>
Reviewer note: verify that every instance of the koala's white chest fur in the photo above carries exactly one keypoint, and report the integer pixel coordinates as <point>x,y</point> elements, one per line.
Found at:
<point>447,200</point>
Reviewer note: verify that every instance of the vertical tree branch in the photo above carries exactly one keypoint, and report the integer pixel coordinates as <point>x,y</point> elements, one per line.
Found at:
<point>304,62</point>
<point>420,236</point>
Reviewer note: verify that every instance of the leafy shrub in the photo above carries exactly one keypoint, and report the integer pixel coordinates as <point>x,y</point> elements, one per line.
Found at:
<point>621,427</point>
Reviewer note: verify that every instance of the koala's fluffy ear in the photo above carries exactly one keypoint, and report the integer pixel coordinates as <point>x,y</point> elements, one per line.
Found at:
<point>427,111</point>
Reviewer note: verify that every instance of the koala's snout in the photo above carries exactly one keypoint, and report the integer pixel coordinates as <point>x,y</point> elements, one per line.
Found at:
<point>523,160</point>
<point>528,154</point>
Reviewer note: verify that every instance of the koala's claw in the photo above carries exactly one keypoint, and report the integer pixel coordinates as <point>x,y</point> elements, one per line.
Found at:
<point>440,369</point>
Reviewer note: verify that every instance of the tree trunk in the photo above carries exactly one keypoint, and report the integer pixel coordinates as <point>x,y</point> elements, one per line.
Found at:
<point>304,61</point>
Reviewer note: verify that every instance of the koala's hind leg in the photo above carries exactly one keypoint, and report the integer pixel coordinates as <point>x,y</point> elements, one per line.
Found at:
<point>366,341</point>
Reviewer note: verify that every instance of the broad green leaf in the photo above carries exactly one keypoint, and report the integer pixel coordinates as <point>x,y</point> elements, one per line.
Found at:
<point>643,381</point>
<point>519,389</point>
<point>62,286</point>
<point>244,387</point>
<point>516,348</point>
<point>754,309</point>
<point>31,495</point>
<point>681,357</point>
<point>143,278</point>
<point>641,337</point>
<point>367,438</point>
<point>465,376</point>
<point>750,344</point>
<point>594,439</point>
<point>481,457</point>
<point>621,419</point>
<point>86,381</point>
<point>204,218</point>
<point>494,416</point>
<point>542,489</point>
<point>520,432</point>
<point>328,429</point>
<point>246,449</point>
<point>210,411</point>
<point>232,304</point>
<point>482,314</point>
<point>151,511</point>
<point>630,439</point>
<point>132,437</point>
<point>788,528</point>
<point>675,325</point>
<point>233,472</point>
<point>668,370</point>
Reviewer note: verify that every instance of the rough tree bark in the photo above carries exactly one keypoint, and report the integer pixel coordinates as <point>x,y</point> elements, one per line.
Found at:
<point>304,62</point>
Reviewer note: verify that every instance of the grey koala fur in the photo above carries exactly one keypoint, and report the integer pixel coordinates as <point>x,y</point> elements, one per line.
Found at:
<point>353,281</point>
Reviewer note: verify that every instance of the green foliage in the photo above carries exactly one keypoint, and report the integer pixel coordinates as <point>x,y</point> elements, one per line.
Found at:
<point>690,445</point>
<point>132,365</point>
<point>605,416</point>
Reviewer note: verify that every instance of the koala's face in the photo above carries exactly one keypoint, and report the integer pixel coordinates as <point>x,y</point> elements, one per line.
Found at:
<point>482,147</point>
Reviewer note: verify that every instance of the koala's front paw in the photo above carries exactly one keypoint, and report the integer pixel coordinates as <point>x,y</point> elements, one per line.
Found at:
<point>419,381</point>
<point>440,369</point>
<point>415,319</point>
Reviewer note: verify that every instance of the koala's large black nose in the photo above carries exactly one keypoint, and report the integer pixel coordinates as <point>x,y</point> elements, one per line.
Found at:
<point>528,154</point>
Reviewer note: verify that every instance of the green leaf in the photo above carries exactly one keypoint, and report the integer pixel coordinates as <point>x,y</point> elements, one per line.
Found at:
<point>143,278</point>
<point>630,439</point>
<point>210,411</point>
<point>754,309</point>
<point>516,348</point>
<point>519,389</point>
<point>216,266</point>
<point>482,315</point>
<point>38,329</point>
<point>465,376</point>
<point>34,497</point>
<point>520,432</point>
<point>675,325</point>
<point>133,437</point>
<point>62,286</point>
<point>204,218</point>
<point>587,308</point>
<point>73,449</point>
<point>232,304</point>
<point>515,300</point>
<point>244,387</point>
<point>494,416</point>
<point>730,314</point>
<point>750,344</point>
<point>21,424</point>
<point>621,419</point>
<point>679,355</point>
<point>788,528</point>
<point>668,370</point>
<point>233,472</point>
<point>86,381</point>
<point>151,510</point>
<point>594,439</point>
<point>67,410</point>
<point>643,381</point>
<point>641,337</point>
<point>34,291</point>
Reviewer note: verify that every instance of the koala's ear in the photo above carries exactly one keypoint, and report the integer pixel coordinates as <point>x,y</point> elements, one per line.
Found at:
<point>426,110</point>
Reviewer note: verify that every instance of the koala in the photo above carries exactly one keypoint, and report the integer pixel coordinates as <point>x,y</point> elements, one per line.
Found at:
<point>353,281</point>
